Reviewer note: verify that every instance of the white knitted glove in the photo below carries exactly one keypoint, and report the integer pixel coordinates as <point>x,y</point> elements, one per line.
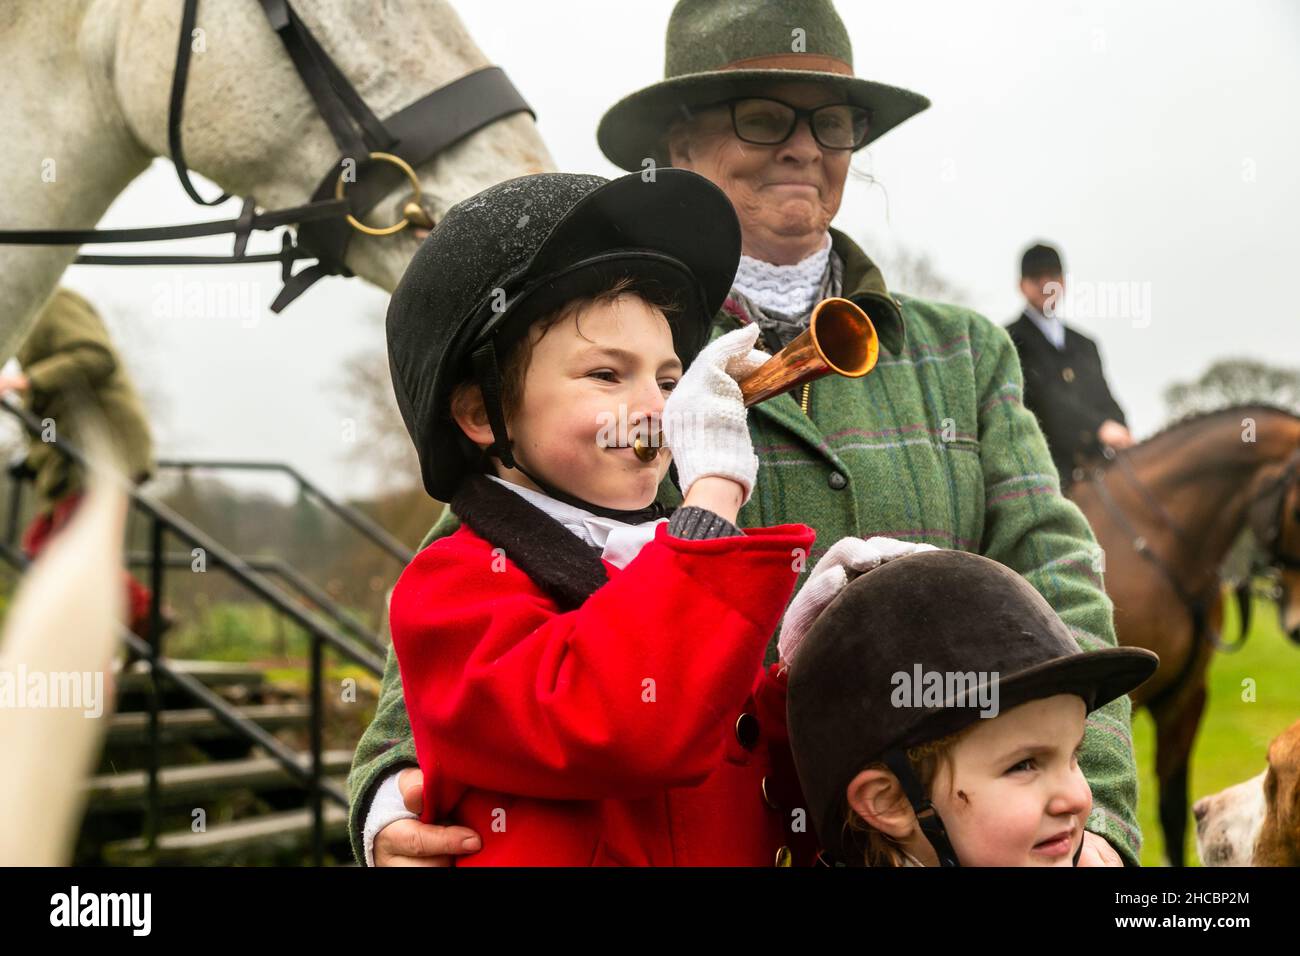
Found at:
<point>845,560</point>
<point>704,419</point>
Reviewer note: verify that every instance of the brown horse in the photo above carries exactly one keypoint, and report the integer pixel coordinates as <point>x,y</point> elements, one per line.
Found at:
<point>1165,513</point>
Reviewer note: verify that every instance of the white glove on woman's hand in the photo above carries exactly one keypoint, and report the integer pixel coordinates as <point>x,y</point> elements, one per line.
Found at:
<point>845,560</point>
<point>704,419</point>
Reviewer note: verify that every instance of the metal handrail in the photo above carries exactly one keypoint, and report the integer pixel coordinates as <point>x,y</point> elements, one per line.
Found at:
<point>162,520</point>
<point>226,712</point>
<point>311,776</point>
<point>359,520</point>
<point>294,577</point>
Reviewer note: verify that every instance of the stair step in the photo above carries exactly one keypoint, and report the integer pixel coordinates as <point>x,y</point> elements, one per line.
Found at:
<point>135,679</point>
<point>228,842</point>
<point>200,723</point>
<point>129,789</point>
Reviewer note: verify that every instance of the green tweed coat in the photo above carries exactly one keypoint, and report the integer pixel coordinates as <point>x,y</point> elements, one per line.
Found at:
<point>933,446</point>
<point>73,369</point>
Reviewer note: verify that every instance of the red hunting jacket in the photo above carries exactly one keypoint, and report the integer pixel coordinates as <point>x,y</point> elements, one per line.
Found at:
<point>639,728</point>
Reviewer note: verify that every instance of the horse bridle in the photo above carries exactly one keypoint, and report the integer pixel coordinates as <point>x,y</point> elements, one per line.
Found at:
<point>1272,558</point>
<point>1272,535</point>
<point>1270,538</point>
<point>385,153</point>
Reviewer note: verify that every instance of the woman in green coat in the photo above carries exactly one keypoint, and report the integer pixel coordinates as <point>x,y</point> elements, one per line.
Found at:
<point>933,446</point>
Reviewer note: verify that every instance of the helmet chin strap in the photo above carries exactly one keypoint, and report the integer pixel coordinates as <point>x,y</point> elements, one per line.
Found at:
<point>931,823</point>
<point>926,815</point>
<point>488,374</point>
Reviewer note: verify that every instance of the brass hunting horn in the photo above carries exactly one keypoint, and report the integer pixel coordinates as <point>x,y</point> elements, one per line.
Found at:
<point>840,338</point>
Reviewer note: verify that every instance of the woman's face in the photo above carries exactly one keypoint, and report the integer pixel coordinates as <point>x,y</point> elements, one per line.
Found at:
<point>785,195</point>
<point>1014,795</point>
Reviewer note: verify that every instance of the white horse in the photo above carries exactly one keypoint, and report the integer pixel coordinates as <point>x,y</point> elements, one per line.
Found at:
<point>86,103</point>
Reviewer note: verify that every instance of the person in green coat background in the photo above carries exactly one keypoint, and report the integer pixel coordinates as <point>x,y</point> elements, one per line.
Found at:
<point>71,375</point>
<point>934,446</point>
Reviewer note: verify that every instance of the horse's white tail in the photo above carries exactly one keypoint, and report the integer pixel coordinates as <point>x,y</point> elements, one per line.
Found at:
<point>55,655</point>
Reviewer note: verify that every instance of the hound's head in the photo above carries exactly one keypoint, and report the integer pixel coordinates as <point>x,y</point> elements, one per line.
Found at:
<point>1256,823</point>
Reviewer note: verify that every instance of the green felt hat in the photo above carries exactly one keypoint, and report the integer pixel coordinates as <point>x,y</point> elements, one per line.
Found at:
<point>717,49</point>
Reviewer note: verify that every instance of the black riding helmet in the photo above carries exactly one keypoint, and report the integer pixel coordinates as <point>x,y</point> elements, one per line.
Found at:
<point>949,612</point>
<point>508,255</point>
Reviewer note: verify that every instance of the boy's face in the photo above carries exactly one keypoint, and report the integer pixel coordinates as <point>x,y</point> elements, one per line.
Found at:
<point>1015,795</point>
<point>611,362</point>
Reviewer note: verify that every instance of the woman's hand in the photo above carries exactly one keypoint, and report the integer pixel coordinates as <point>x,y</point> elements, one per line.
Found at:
<point>13,383</point>
<point>1097,852</point>
<point>705,422</point>
<point>412,843</point>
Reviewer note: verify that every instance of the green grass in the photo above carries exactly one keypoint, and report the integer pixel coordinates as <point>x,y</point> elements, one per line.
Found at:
<point>1234,734</point>
<point>239,631</point>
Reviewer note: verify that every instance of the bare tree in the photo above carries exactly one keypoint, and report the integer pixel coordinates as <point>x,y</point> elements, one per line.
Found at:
<point>912,272</point>
<point>382,446</point>
<point>1236,382</point>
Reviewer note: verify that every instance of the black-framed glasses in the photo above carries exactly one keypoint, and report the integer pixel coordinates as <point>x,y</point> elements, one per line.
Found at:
<point>767,122</point>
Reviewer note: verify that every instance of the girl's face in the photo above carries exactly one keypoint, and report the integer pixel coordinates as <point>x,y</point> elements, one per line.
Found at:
<point>593,379</point>
<point>1013,794</point>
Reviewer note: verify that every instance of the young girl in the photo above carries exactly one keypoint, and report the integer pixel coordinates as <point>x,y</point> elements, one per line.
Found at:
<point>936,708</point>
<point>583,674</point>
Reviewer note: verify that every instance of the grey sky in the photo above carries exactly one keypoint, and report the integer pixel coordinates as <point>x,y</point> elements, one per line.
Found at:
<point>1155,142</point>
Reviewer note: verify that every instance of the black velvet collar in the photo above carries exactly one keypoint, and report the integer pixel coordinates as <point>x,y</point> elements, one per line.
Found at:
<point>556,560</point>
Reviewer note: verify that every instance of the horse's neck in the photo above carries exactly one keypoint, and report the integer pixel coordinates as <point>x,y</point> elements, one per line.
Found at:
<point>1207,485</point>
<point>69,154</point>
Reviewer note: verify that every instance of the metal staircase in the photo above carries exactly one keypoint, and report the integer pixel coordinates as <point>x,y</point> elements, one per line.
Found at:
<point>207,762</point>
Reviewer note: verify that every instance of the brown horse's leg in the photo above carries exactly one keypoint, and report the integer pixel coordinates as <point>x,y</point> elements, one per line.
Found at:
<point>1177,721</point>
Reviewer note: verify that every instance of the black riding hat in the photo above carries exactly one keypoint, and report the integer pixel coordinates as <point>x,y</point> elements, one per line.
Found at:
<point>504,257</point>
<point>949,612</point>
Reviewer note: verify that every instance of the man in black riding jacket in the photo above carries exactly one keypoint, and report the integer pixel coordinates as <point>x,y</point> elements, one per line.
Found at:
<point>1065,386</point>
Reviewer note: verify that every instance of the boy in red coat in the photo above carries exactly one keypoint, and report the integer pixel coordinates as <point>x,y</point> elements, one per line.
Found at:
<point>583,673</point>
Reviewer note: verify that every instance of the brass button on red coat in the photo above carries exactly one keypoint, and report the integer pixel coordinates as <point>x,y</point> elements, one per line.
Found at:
<point>784,857</point>
<point>747,731</point>
<point>767,797</point>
